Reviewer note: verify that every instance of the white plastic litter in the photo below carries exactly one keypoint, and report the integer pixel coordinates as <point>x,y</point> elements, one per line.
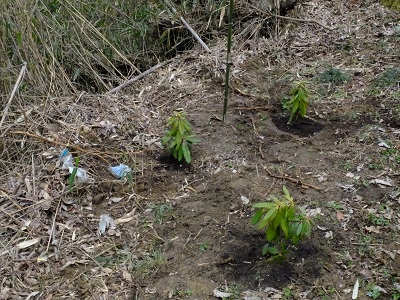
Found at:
<point>66,158</point>
<point>105,222</point>
<point>120,171</point>
<point>355,290</point>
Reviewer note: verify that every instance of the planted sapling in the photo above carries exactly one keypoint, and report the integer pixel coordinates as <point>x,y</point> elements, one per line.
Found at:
<point>179,138</point>
<point>283,222</point>
<point>297,105</point>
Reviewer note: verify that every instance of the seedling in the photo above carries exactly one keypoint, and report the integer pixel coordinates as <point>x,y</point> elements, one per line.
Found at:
<point>150,263</point>
<point>71,178</point>
<point>283,222</point>
<point>334,76</point>
<point>297,105</point>
<point>179,138</point>
<point>203,246</point>
<point>160,211</point>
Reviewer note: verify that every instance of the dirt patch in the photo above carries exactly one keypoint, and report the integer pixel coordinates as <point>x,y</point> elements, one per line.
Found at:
<point>302,127</point>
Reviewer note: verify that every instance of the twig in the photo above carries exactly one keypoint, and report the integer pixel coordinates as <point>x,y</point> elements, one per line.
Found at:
<point>16,86</point>
<point>53,224</point>
<point>261,153</point>
<point>292,19</point>
<point>196,36</point>
<point>74,147</point>
<point>297,181</point>
<point>140,76</point>
<point>305,21</point>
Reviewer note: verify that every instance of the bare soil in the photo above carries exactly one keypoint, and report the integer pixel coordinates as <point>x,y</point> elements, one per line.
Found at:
<point>183,230</point>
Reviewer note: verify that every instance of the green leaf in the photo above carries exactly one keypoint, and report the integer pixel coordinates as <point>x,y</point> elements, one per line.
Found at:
<point>256,217</point>
<point>264,250</point>
<point>268,205</point>
<point>262,224</point>
<point>306,230</point>
<point>192,139</point>
<point>186,152</point>
<point>286,192</point>
<point>277,218</point>
<point>271,214</point>
<point>273,250</point>
<point>178,139</point>
<point>271,233</point>
<point>299,227</point>
<point>71,178</point>
<point>285,226</point>
<point>291,213</point>
<point>294,107</point>
<point>181,128</point>
<point>303,110</point>
<point>180,155</point>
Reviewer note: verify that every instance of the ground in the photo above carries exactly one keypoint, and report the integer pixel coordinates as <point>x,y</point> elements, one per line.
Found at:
<point>182,231</point>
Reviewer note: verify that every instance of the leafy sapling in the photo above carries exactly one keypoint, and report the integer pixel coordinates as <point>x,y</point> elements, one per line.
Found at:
<point>283,222</point>
<point>179,138</point>
<point>297,105</point>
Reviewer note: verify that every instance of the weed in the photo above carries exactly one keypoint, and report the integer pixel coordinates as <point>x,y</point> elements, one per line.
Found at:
<point>203,246</point>
<point>387,78</point>
<point>160,211</point>
<point>297,105</point>
<point>150,263</point>
<point>235,290</point>
<point>336,206</point>
<point>334,76</point>
<point>373,291</point>
<point>287,293</point>
<point>71,178</point>
<point>179,138</point>
<point>378,220</point>
<point>282,221</point>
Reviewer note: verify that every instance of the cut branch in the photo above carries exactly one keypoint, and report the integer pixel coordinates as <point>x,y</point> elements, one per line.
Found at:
<point>140,76</point>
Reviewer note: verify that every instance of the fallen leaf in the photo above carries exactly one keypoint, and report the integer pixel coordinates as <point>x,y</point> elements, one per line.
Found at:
<point>28,243</point>
<point>372,229</point>
<point>123,220</point>
<point>339,216</point>
<point>127,276</point>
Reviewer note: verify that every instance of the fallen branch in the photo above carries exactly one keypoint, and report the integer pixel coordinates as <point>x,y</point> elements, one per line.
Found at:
<point>305,21</point>
<point>73,147</point>
<point>297,181</point>
<point>196,36</point>
<point>292,19</point>
<point>140,76</point>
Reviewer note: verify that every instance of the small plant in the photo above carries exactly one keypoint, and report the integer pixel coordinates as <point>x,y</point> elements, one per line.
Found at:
<point>387,78</point>
<point>297,105</point>
<point>283,222</point>
<point>150,263</point>
<point>334,76</point>
<point>160,211</point>
<point>287,293</point>
<point>71,178</point>
<point>203,246</point>
<point>373,292</point>
<point>179,138</point>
